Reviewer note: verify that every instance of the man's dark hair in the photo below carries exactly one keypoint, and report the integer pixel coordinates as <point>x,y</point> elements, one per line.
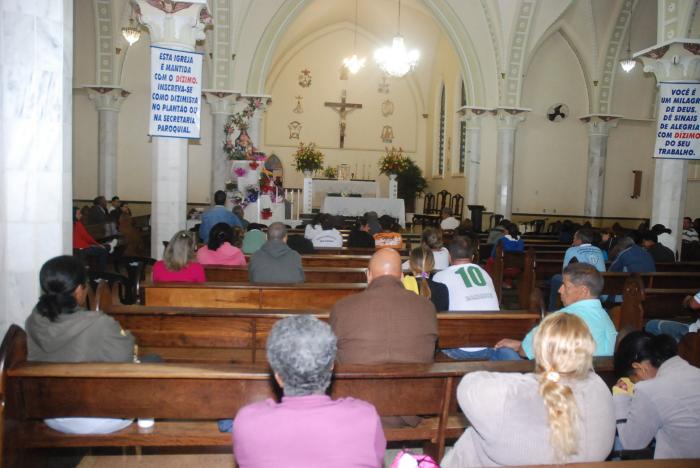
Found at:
<point>327,222</point>
<point>219,197</point>
<point>585,235</point>
<point>585,274</point>
<point>387,222</point>
<point>460,248</point>
<point>98,200</point>
<point>115,198</point>
<point>650,236</point>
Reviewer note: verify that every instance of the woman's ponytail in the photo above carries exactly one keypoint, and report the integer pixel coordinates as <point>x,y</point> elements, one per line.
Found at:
<point>59,278</point>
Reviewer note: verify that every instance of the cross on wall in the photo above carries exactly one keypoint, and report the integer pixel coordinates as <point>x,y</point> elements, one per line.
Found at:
<point>343,108</point>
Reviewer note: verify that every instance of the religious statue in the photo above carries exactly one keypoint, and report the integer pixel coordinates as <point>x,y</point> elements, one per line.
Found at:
<point>387,134</point>
<point>244,144</point>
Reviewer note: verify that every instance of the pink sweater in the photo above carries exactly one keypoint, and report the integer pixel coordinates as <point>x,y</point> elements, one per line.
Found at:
<point>192,273</point>
<point>308,431</point>
<point>226,254</point>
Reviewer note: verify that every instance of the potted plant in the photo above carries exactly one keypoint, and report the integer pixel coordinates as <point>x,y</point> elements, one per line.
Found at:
<point>411,184</point>
<point>308,159</point>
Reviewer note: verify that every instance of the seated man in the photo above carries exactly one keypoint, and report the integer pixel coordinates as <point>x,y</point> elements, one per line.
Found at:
<point>448,222</point>
<point>360,235</point>
<point>469,285</point>
<point>583,251</point>
<point>677,329</point>
<point>579,294</point>
<point>658,251</point>
<point>275,262</point>
<point>632,258</point>
<point>97,213</point>
<point>217,214</point>
<point>385,323</point>
<point>689,233</point>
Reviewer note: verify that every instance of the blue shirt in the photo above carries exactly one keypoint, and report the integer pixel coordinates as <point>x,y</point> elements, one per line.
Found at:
<point>586,253</point>
<point>599,324</point>
<point>634,259</point>
<point>215,215</point>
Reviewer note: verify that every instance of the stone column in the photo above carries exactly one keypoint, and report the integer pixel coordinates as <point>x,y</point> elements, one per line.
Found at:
<point>262,102</point>
<point>599,126</point>
<point>675,60</point>
<point>36,65</point>
<point>508,119</point>
<point>472,117</point>
<point>221,104</point>
<point>177,30</point>
<point>108,102</point>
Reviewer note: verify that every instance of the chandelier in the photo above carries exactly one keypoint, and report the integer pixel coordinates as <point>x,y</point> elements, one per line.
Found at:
<point>628,63</point>
<point>396,60</point>
<point>354,64</point>
<point>131,33</point>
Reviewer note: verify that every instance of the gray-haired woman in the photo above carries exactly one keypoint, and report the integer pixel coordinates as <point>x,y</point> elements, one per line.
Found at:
<point>306,428</point>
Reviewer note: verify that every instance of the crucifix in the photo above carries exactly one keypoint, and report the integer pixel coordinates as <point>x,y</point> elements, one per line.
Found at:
<point>342,108</point>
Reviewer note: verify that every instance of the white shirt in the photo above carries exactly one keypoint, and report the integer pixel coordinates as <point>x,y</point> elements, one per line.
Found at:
<point>329,238</point>
<point>470,287</point>
<point>449,223</point>
<point>441,258</point>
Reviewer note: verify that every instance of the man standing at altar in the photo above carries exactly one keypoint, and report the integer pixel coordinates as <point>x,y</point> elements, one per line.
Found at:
<point>217,214</point>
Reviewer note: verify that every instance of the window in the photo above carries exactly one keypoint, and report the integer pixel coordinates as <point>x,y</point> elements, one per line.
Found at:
<point>441,146</point>
<point>462,132</point>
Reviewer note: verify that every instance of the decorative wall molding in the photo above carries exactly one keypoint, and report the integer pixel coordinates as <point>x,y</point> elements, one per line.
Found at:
<point>616,44</point>
<point>104,45</point>
<point>518,52</point>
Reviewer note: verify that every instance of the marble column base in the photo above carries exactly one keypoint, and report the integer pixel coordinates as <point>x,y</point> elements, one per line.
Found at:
<point>668,205</point>
<point>169,205</point>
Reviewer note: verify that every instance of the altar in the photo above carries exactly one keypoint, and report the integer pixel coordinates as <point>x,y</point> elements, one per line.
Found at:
<point>352,206</point>
<point>364,188</point>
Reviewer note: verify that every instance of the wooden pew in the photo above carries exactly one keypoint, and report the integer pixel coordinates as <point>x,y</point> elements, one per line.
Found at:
<point>309,296</point>
<point>239,274</point>
<point>186,400</point>
<point>641,304</point>
<point>180,334</point>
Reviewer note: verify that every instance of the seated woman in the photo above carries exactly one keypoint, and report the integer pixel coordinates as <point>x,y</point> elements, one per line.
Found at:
<point>85,243</point>
<point>360,235</point>
<point>177,264</point>
<point>59,329</point>
<point>511,242</point>
<point>220,250</point>
<point>422,264</point>
<point>431,238</point>
<point>656,397</point>
<point>307,428</point>
<point>561,413</point>
<point>329,236</point>
<point>389,237</point>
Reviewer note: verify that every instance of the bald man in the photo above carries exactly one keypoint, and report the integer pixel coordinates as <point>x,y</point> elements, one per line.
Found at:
<point>385,323</point>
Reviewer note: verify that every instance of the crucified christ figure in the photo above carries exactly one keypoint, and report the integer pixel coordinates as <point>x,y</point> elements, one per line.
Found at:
<point>342,108</point>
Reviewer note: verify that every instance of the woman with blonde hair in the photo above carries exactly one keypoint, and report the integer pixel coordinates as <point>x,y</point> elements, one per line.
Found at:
<point>421,262</point>
<point>561,413</point>
<point>177,264</point>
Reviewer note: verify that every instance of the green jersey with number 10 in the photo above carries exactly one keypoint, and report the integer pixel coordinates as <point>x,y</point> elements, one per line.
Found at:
<point>470,287</point>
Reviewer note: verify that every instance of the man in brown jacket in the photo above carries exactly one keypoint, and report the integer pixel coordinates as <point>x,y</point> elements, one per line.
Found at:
<point>385,323</point>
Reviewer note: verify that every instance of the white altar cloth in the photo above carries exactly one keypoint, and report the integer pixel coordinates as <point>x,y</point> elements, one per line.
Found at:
<point>351,206</point>
<point>366,188</point>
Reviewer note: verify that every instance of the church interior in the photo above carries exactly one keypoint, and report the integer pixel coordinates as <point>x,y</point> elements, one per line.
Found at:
<point>540,112</point>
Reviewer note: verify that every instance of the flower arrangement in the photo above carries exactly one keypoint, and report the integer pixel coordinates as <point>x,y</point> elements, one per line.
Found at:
<point>240,148</point>
<point>308,158</point>
<point>393,161</point>
<point>330,172</point>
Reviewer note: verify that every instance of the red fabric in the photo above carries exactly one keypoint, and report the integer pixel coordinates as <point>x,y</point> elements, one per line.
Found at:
<point>192,273</point>
<point>81,238</point>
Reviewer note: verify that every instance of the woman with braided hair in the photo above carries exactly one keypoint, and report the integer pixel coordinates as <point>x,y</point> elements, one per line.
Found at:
<point>561,413</point>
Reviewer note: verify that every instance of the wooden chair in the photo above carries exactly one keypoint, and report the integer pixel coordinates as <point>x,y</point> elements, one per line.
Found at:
<point>457,206</point>
<point>135,269</point>
<point>429,204</point>
<point>442,199</point>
